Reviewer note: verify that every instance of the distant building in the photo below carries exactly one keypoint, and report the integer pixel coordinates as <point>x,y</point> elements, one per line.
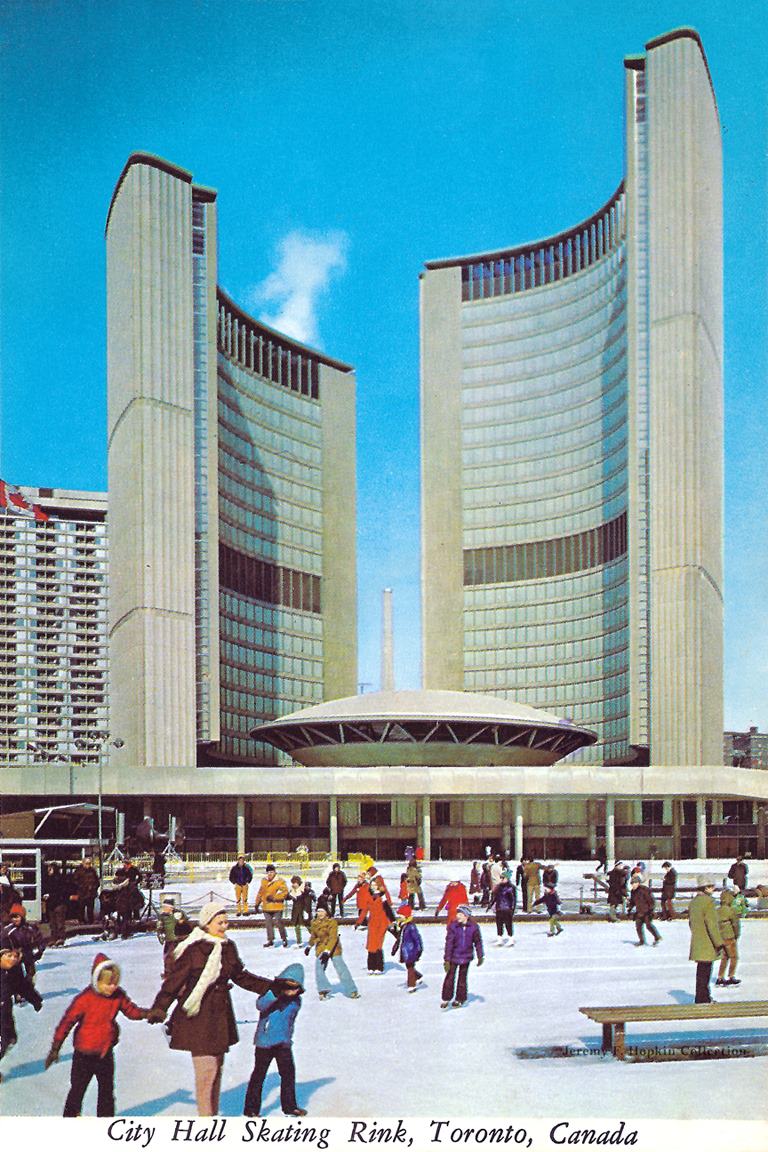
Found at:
<point>53,629</point>
<point>746,749</point>
<point>572,443</point>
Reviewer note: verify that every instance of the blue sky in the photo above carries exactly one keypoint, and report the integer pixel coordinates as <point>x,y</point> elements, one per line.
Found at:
<point>381,135</point>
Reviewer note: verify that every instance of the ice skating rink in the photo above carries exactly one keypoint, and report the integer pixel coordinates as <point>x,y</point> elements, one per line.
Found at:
<point>519,1046</point>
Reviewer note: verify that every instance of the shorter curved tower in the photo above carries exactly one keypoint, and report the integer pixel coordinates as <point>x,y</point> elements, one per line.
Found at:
<point>572,445</point>
<point>231,494</point>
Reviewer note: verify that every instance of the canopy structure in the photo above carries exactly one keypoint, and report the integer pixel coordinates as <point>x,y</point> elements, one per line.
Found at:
<point>424,728</point>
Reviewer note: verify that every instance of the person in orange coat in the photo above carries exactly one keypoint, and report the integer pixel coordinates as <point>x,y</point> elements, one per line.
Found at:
<point>377,908</point>
<point>454,895</point>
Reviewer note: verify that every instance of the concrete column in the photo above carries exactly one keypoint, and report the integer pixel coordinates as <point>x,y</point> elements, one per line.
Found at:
<point>426,828</point>
<point>333,827</point>
<point>147,809</point>
<point>610,829</point>
<point>241,826</point>
<point>592,812</point>
<point>506,823</point>
<point>518,827</point>
<point>701,827</point>
<point>761,838</point>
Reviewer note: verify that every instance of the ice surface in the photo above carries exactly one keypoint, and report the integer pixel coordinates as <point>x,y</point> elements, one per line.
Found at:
<point>392,1053</point>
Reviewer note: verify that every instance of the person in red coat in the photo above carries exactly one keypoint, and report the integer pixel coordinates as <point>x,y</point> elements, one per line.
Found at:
<point>92,1014</point>
<point>454,895</point>
<point>378,910</point>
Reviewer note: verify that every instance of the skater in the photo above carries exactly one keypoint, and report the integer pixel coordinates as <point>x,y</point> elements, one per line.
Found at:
<point>8,895</point>
<point>24,938</point>
<point>272,894</point>
<point>504,896</point>
<point>486,883</point>
<point>668,890</point>
<point>413,878</point>
<point>55,896</point>
<point>359,891</point>
<point>410,945</point>
<point>240,876</point>
<point>15,987</point>
<point>617,889</point>
<point>642,901</point>
<point>729,923</point>
<point>300,895</point>
<point>533,873</point>
<point>461,940</point>
<point>278,1010</point>
<point>706,940</point>
<point>550,876</point>
<point>474,883</point>
<point>402,892</point>
<point>92,1014</point>
<point>324,935</point>
<point>379,917</point>
<point>172,926</point>
<point>521,878</point>
<point>602,857</point>
<point>128,897</point>
<point>738,872</point>
<point>86,880</point>
<point>454,895</point>
<point>551,900</point>
<point>203,1022</point>
<point>336,882</point>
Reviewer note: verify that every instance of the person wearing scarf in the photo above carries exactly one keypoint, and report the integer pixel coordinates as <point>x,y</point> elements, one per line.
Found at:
<point>203,1022</point>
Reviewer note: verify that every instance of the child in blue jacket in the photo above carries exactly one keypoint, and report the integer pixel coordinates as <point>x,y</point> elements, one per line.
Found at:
<point>410,944</point>
<point>274,1039</point>
<point>552,902</point>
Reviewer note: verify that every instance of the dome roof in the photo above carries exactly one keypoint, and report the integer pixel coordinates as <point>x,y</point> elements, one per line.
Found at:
<point>424,727</point>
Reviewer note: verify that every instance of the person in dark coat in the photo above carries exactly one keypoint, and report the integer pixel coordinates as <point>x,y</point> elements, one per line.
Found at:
<point>504,897</point>
<point>641,901</point>
<point>55,895</point>
<point>617,888</point>
<point>336,882</point>
<point>668,890</point>
<point>602,857</point>
<point>86,880</point>
<point>9,895</point>
<point>738,872</point>
<point>203,1022</point>
<point>241,875</point>
<point>550,876</point>
<point>551,902</point>
<point>14,986</point>
<point>461,940</point>
<point>410,945</point>
<point>25,938</point>
<point>128,899</point>
<point>521,878</point>
<point>486,883</point>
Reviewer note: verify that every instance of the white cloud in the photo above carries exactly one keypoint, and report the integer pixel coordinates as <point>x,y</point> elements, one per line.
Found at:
<point>305,265</point>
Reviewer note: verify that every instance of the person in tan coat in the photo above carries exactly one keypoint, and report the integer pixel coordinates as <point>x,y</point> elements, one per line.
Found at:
<point>324,935</point>
<point>272,894</point>
<point>706,941</point>
<point>532,869</point>
<point>729,923</point>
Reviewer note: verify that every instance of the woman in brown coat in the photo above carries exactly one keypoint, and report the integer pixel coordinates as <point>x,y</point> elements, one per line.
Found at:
<point>203,1022</point>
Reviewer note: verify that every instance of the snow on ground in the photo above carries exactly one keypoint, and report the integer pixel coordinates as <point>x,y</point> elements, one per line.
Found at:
<point>391,1053</point>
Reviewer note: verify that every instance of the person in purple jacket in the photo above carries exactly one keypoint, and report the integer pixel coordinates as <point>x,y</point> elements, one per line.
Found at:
<point>461,940</point>
<point>504,896</point>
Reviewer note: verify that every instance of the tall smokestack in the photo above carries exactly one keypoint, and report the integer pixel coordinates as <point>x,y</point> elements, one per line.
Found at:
<point>387,643</point>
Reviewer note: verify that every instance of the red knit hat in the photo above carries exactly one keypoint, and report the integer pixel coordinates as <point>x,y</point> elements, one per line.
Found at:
<point>17,910</point>
<point>100,962</point>
<point>405,910</point>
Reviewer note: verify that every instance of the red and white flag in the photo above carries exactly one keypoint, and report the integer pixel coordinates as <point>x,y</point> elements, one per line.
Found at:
<point>11,500</point>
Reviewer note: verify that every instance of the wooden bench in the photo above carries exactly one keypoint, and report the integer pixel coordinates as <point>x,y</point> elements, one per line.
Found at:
<point>613,1019</point>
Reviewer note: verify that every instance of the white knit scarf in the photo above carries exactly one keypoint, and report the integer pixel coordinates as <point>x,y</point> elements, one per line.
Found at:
<point>210,972</point>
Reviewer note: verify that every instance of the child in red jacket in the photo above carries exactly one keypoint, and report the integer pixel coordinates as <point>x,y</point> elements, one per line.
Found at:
<point>92,1013</point>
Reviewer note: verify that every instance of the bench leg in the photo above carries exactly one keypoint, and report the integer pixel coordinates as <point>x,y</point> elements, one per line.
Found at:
<point>618,1041</point>
<point>607,1037</point>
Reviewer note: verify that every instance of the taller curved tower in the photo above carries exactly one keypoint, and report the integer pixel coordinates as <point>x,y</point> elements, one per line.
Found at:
<point>571,402</point>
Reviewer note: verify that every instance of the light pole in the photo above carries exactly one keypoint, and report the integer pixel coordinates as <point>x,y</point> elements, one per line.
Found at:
<point>102,742</point>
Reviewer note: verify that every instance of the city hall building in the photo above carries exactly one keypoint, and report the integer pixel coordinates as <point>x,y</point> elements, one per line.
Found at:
<point>571,401</point>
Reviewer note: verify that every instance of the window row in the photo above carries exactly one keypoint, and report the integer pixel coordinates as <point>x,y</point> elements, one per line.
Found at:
<point>285,622</point>
<point>534,267</point>
<point>266,354</point>
<point>546,516</point>
<point>272,410</point>
<point>563,344</point>
<point>542,559</point>
<point>271,583</point>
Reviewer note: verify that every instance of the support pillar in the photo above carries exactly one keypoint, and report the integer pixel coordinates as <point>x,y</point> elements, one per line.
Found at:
<point>333,827</point>
<point>592,826</point>
<point>506,824</point>
<point>240,829</point>
<point>147,808</point>
<point>701,828</point>
<point>677,838</point>
<point>518,827</point>
<point>610,829</point>
<point>426,828</point>
<point>761,838</point>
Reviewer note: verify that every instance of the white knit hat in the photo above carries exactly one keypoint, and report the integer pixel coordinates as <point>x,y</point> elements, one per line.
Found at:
<point>209,910</point>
